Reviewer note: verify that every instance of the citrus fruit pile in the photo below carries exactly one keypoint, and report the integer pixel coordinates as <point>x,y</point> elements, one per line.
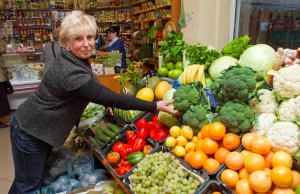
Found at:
<point>207,150</point>
<point>259,170</point>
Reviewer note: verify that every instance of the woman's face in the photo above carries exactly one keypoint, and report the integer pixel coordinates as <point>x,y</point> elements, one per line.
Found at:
<point>112,35</point>
<point>82,45</point>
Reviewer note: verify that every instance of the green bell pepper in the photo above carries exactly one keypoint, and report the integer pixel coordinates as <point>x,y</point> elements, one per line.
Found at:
<point>135,157</point>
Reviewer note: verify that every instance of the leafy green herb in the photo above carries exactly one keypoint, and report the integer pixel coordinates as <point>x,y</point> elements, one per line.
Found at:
<point>236,47</point>
<point>146,51</point>
<point>198,54</point>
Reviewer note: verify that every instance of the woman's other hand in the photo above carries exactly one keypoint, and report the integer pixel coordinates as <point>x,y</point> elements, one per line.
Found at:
<point>163,106</point>
<point>110,110</point>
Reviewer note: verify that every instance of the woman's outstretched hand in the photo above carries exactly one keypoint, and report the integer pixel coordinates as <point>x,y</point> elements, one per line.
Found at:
<point>163,106</point>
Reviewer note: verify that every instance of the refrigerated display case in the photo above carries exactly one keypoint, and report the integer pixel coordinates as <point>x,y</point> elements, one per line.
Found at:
<point>24,72</point>
<point>272,22</point>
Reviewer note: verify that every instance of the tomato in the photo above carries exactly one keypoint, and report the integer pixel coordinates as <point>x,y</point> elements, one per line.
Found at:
<point>117,146</point>
<point>140,122</point>
<point>113,158</point>
<point>155,119</point>
<point>139,144</point>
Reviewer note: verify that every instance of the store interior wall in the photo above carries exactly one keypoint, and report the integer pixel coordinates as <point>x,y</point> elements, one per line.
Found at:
<point>211,22</point>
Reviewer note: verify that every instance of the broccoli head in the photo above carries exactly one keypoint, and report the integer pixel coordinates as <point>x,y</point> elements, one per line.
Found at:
<point>185,96</point>
<point>236,84</point>
<point>196,117</point>
<point>237,117</point>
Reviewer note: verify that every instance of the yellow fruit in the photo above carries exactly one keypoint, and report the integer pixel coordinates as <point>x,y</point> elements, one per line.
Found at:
<point>161,89</point>
<point>195,139</point>
<point>170,142</point>
<point>190,146</point>
<point>181,141</point>
<point>179,151</point>
<point>187,132</point>
<point>146,94</point>
<point>175,131</point>
<point>199,135</point>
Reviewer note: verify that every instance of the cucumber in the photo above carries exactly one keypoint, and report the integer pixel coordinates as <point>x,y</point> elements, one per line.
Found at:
<point>108,132</point>
<point>93,142</point>
<point>100,135</point>
<point>99,142</point>
<point>113,127</point>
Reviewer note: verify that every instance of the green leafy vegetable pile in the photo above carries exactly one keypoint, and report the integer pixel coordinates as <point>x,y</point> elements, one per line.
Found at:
<point>146,51</point>
<point>236,47</point>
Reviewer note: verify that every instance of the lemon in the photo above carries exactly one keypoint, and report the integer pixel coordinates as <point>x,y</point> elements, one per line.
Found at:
<point>170,142</point>
<point>195,139</point>
<point>187,132</point>
<point>179,151</point>
<point>181,141</point>
<point>175,131</point>
<point>146,94</point>
<point>190,146</point>
<point>199,135</point>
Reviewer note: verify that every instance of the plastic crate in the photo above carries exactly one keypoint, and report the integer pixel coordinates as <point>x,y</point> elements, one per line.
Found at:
<point>109,145</point>
<point>201,173</point>
<point>148,118</point>
<point>215,186</point>
<point>106,119</point>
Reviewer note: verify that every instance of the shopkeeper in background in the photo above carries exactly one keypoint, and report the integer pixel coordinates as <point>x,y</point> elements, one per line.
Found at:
<point>46,118</point>
<point>116,43</point>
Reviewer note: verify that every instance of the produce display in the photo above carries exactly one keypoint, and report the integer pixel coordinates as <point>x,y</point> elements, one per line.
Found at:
<point>162,172</point>
<point>126,115</point>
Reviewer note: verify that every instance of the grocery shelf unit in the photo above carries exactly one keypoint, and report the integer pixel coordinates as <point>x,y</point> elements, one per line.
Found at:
<point>147,14</point>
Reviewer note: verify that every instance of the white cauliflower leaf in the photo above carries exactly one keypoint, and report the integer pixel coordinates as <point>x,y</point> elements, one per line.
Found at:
<point>264,103</point>
<point>286,82</point>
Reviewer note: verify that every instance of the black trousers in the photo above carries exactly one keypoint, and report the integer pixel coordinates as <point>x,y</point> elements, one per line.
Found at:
<point>4,104</point>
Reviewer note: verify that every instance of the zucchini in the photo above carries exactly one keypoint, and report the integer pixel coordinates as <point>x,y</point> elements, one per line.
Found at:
<point>113,127</point>
<point>108,132</point>
<point>93,142</point>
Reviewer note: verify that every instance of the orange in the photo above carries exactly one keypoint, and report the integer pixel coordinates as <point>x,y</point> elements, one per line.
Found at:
<point>209,146</point>
<point>245,153</point>
<point>282,158</point>
<point>197,159</point>
<point>268,171</point>
<point>254,162</point>
<point>282,176</point>
<point>187,156</point>
<point>234,161</point>
<point>279,190</point>
<point>221,154</point>
<point>216,192</point>
<point>243,187</point>
<point>216,131</point>
<point>211,165</point>
<point>260,181</point>
<point>198,144</point>
<point>204,131</point>
<point>230,177</point>
<point>268,159</point>
<point>296,181</point>
<point>243,174</point>
<point>260,145</point>
<point>231,141</point>
<point>246,140</point>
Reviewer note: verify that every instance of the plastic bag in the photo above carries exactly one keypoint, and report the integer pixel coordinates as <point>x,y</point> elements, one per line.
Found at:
<point>93,177</point>
<point>80,165</point>
<point>62,184</point>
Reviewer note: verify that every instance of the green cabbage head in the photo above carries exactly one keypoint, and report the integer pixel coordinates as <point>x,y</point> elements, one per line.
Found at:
<point>166,118</point>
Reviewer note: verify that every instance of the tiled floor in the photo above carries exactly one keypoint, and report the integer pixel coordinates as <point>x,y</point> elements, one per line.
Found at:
<point>6,161</point>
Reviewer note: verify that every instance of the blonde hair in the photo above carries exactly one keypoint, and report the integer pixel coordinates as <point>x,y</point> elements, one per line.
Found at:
<point>75,23</point>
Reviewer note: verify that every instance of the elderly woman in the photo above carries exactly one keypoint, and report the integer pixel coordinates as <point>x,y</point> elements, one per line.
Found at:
<point>46,118</point>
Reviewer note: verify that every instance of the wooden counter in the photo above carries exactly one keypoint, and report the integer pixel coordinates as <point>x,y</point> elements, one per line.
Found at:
<point>110,82</point>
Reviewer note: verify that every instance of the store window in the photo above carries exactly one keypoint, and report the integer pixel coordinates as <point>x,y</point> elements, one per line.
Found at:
<point>272,22</point>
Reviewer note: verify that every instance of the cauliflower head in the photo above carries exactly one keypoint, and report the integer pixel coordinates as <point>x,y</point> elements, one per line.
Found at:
<point>288,109</point>
<point>286,82</point>
<point>263,123</point>
<point>265,102</point>
<point>196,117</point>
<point>185,96</point>
<point>283,136</point>
<point>297,107</point>
<point>236,117</point>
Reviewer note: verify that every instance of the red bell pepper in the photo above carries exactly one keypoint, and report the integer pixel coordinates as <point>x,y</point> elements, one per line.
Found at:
<point>117,146</point>
<point>124,169</point>
<point>147,149</point>
<point>123,162</point>
<point>155,119</point>
<point>158,132</point>
<point>140,122</point>
<point>143,132</point>
<point>126,149</point>
<point>130,137</point>
<point>139,144</point>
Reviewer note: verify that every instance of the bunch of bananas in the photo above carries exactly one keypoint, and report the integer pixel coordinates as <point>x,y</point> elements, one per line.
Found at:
<point>194,73</point>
